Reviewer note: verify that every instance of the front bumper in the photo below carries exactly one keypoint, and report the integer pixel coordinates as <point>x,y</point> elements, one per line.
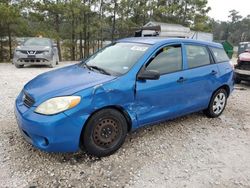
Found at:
<point>57,133</point>
<point>242,74</point>
<point>24,59</point>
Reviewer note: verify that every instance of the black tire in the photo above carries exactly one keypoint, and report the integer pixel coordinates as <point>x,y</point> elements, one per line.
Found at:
<point>51,65</point>
<point>18,66</point>
<point>53,62</point>
<point>237,80</point>
<point>210,111</point>
<point>104,133</point>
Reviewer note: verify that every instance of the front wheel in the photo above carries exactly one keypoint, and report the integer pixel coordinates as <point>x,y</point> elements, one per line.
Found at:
<point>18,66</point>
<point>217,104</point>
<point>53,62</point>
<point>104,133</point>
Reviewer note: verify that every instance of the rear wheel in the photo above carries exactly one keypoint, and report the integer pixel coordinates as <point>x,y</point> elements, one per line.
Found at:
<point>104,133</point>
<point>217,104</point>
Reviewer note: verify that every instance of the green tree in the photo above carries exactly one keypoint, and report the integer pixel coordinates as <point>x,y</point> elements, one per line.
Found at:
<point>81,26</point>
<point>235,30</point>
<point>9,19</point>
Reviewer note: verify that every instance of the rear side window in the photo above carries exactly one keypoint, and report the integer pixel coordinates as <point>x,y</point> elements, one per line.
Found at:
<point>197,56</point>
<point>167,60</point>
<point>219,54</point>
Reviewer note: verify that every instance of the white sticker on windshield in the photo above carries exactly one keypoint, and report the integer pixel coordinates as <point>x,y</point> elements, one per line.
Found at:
<point>139,48</point>
<point>125,68</point>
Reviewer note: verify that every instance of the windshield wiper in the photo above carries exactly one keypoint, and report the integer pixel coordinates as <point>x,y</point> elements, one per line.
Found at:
<point>85,66</point>
<point>91,67</point>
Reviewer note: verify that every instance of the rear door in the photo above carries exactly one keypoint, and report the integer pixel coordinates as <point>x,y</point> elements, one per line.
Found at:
<point>224,65</point>
<point>201,76</point>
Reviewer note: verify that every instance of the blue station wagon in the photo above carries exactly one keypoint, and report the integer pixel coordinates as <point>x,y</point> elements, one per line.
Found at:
<point>129,84</point>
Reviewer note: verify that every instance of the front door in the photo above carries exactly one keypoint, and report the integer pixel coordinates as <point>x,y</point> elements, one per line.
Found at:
<point>160,99</point>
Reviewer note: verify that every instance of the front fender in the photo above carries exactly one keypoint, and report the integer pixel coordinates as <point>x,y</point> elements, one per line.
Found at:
<point>105,95</point>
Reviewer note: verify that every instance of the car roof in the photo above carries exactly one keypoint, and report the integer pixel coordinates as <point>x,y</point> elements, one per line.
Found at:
<point>158,40</point>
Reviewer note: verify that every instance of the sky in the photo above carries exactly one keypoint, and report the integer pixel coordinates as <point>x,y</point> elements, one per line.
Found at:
<point>220,8</point>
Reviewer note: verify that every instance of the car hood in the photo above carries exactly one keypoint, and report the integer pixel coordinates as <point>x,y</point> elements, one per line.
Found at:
<point>244,56</point>
<point>35,48</point>
<point>63,81</point>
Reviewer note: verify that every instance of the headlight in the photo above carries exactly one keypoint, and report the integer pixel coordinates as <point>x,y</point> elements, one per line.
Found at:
<point>58,104</point>
<point>18,52</point>
<point>46,52</point>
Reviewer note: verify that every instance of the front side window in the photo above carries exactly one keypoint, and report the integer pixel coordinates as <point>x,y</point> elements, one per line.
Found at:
<point>197,56</point>
<point>118,58</point>
<point>167,60</point>
<point>219,54</point>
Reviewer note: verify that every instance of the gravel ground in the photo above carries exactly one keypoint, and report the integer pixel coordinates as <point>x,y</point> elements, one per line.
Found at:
<point>191,151</point>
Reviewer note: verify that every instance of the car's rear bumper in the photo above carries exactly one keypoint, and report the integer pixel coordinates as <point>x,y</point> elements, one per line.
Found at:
<point>57,133</point>
<point>242,74</point>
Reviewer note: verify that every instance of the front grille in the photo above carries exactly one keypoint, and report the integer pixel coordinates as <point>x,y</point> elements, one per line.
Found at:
<point>244,65</point>
<point>39,52</point>
<point>28,100</point>
<point>33,52</point>
<point>24,51</point>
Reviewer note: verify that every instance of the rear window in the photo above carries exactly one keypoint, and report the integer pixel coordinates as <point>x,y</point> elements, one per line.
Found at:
<point>219,54</point>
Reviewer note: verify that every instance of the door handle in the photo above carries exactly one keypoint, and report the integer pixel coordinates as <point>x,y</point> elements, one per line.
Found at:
<point>181,80</point>
<point>214,72</point>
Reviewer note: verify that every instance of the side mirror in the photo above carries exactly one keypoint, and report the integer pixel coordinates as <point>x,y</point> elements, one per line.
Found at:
<point>54,45</point>
<point>148,75</point>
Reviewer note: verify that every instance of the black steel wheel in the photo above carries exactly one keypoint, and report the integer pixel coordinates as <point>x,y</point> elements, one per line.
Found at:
<point>104,133</point>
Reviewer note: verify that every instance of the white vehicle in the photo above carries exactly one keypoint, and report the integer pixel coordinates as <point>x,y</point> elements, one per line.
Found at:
<point>36,51</point>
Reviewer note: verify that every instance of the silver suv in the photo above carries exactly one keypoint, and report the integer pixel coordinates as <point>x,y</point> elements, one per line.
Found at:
<point>40,51</point>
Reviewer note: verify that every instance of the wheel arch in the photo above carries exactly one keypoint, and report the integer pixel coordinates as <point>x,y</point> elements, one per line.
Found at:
<point>226,87</point>
<point>122,111</point>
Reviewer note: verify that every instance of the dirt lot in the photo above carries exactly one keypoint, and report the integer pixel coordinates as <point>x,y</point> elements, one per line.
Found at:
<point>192,151</point>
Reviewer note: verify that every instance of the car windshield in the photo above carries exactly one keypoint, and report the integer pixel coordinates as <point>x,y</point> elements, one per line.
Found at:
<point>37,42</point>
<point>117,59</point>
